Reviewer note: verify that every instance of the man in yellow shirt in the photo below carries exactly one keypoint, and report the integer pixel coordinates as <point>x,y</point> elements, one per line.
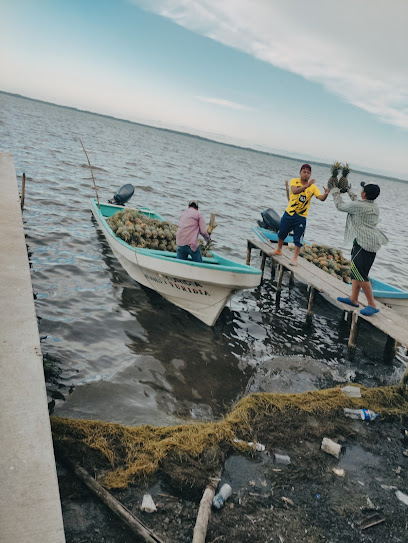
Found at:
<point>302,189</point>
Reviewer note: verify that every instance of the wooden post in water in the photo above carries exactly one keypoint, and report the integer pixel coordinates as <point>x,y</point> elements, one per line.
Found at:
<point>291,278</point>
<point>390,350</point>
<point>273,268</point>
<point>280,277</point>
<point>263,265</point>
<point>22,192</point>
<point>353,332</point>
<point>309,313</point>
<point>248,258</point>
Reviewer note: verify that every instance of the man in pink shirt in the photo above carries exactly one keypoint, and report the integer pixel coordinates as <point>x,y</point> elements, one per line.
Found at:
<point>191,224</point>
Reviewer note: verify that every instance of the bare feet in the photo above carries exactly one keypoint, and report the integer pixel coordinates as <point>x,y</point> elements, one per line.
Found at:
<point>276,252</point>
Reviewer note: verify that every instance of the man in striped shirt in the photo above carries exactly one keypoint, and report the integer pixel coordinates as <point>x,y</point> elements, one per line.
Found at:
<point>367,238</point>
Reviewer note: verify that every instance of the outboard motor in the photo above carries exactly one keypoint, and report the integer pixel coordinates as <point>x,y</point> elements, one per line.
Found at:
<point>122,195</point>
<point>271,220</point>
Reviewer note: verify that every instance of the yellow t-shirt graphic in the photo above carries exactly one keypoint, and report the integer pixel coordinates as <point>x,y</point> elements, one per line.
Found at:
<point>300,203</point>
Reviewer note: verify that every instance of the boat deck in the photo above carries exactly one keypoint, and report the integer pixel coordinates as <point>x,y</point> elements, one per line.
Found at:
<point>387,320</point>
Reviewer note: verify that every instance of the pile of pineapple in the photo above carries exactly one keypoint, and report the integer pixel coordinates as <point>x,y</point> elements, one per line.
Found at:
<point>328,259</point>
<point>138,230</point>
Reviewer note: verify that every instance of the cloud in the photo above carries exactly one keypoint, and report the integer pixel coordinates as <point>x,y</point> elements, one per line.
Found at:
<point>356,49</point>
<point>221,102</point>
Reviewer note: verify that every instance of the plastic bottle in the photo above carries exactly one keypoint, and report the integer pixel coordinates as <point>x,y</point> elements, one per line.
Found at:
<point>220,498</point>
<point>360,414</point>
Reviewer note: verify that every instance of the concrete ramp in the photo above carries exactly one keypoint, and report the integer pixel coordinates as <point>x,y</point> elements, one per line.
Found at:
<point>30,509</point>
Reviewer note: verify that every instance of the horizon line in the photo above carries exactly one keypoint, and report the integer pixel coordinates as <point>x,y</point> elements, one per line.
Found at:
<point>188,134</point>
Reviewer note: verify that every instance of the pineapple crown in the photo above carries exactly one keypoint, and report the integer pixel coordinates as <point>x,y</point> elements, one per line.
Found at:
<point>335,168</point>
<point>345,170</point>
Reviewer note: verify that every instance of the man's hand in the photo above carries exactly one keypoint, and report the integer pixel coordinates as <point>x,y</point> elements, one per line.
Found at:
<point>311,181</point>
<point>326,191</point>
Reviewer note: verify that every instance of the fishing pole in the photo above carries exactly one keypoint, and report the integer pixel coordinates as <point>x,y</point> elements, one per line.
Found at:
<point>96,191</point>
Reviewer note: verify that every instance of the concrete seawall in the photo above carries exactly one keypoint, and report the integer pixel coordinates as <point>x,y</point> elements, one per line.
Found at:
<point>30,509</point>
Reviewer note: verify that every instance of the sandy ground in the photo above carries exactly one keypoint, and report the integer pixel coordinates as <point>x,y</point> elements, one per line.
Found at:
<point>304,501</point>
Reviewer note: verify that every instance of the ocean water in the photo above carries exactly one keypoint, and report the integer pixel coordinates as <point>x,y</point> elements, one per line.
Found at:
<point>118,351</point>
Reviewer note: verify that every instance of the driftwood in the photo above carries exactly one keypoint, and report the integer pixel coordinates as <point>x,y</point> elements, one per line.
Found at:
<point>135,525</point>
<point>204,511</point>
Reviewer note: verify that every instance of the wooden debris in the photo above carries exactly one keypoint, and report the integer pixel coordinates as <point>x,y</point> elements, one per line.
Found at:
<point>135,525</point>
<point>204,511</point>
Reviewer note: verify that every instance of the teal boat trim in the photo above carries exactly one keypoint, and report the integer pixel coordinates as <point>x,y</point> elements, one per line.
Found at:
<point>384,290</point>
<point>217,263</point>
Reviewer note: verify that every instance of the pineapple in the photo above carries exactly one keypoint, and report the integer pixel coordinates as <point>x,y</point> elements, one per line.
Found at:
<point>335,168</point>
<point>343,181</point>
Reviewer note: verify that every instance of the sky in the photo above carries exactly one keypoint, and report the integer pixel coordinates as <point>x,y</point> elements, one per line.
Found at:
<point>320,80</point>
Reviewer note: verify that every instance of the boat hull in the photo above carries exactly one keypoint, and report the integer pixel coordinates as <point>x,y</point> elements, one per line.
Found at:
<point>201,289</point>
<point>393,297</point>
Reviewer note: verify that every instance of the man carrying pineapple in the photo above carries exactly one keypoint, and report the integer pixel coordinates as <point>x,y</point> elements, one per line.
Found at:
<point>302,189</point>
<point>363,233</point>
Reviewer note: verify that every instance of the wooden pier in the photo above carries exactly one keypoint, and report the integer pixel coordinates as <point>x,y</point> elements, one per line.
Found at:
<point>387,320</point>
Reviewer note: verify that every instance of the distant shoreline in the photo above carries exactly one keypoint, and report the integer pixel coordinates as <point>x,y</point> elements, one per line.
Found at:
<point>194,136</point>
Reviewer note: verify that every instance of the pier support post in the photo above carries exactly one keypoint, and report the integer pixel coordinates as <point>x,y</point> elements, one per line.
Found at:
<point>279,285</point>
<point>263,265</point>
<point>390,350</point>
<point>273,268</point>
<point>309,313</point>
<point>248,258</point>
<point>292,279</point>
<point>353,334</point>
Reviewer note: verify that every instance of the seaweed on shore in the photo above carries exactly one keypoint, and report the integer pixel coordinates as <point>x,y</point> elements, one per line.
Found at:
<point>120,454</point>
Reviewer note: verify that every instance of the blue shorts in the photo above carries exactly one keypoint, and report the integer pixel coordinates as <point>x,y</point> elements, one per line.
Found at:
<point>184,251</point>
<point>292,222</point>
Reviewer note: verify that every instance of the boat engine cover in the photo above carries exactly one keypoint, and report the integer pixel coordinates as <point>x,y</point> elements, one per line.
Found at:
<point>271,219</point>
<point>122,195</point>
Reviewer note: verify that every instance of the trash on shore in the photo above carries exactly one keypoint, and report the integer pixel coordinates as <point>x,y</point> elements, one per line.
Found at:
<point>148,504</point>
<point>254,445</point>
<point>360,414</point>
<point>222,496</point>
<point>402,497</point>
<point>351,391</point>
<point>339,472</point>
<point>331,447</point>
<point>282,459</point>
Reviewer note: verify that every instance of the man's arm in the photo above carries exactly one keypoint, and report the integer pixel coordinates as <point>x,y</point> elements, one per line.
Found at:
<point>298,190</point>
<point>322,197</point>
<point>203,228</point>
<point>351,207</point>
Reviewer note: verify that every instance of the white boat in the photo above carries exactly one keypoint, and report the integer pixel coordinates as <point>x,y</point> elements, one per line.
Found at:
<point>201,288</point>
